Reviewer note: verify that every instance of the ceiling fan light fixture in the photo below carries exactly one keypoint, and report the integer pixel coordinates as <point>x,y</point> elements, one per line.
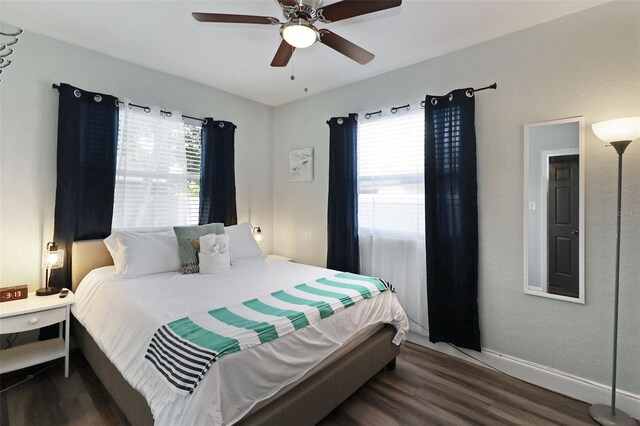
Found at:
<point>299,33</point>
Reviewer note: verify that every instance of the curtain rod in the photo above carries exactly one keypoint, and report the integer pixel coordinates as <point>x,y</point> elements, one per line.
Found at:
<point>146,108</point>
<point>491,86</point>
<point>408,106</point>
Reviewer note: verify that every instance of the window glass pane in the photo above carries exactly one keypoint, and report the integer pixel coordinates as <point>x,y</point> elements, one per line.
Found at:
<point>391,174</point>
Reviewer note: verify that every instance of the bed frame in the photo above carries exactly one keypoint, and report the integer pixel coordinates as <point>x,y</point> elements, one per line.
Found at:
<point>305,402</point>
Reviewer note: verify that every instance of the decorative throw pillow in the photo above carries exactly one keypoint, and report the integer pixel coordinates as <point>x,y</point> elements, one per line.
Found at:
<point>214,254</point>
<point>242,245</point>
<point>189,244</point>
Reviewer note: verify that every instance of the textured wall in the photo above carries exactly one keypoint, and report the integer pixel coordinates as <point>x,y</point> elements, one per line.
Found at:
<point>29,112</point>
<point>584,64</point>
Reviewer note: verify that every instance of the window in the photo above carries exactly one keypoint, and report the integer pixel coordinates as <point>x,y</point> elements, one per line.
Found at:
<point>391,174</point>
<point>391,216</point>
<point>157,171</point>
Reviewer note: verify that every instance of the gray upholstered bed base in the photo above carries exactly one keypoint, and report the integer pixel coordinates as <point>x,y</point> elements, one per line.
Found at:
<point>304,404</point>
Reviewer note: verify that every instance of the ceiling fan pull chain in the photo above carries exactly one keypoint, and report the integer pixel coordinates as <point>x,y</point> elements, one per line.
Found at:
<point>293,77</point>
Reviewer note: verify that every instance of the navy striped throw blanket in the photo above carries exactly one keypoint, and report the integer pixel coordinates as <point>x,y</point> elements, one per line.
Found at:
<point>183,350</point>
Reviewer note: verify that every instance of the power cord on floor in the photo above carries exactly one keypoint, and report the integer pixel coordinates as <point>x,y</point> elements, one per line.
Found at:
<point>31,376</point>
<point>489,365</point>
<point>507,374</point>
<point>10,339</point>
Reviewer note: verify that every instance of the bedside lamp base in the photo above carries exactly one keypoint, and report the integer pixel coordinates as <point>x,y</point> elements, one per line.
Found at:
<point>47,291</point>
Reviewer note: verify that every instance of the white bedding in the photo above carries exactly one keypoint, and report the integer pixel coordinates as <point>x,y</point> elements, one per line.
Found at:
<point>123,314</point>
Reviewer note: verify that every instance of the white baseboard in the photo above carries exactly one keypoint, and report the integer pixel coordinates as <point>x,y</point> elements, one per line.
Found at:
<point>546,377</point>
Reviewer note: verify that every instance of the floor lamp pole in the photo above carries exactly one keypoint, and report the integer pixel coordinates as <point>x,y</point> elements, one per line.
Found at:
<point>603,414</point>
<point>617,297</point>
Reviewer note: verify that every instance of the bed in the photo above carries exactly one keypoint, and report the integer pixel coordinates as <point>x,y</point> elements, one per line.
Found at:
<point>253,386</point>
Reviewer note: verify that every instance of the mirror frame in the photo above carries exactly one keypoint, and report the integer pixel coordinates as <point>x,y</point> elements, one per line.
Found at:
<point>581,215</point>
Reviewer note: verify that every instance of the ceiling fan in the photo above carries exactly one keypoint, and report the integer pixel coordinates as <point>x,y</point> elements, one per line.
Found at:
<point>299,30</point>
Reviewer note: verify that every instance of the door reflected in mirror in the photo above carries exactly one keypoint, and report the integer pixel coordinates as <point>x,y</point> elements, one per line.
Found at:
<point>554,209</point>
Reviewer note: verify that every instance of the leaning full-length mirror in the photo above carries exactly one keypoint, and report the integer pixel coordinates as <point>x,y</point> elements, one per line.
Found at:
<point>554,209</point>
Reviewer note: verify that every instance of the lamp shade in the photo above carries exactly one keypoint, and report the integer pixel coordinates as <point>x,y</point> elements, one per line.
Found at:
<point>52,257</point>
<point>299,34</point>
<point>620,129</point>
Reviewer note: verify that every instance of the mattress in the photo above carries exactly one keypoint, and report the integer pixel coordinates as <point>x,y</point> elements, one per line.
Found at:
<point>123,314</point>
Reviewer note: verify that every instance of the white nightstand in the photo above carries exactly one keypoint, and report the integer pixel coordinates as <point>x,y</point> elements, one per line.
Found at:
<point>278,257</point>
<point>31,313</point>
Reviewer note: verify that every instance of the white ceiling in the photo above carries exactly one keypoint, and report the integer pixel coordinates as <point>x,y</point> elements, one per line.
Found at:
<point>235,58</point>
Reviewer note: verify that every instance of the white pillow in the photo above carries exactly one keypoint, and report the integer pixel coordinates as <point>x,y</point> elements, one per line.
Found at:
<point>112,245</point>
<point>144,253</point>
<point>241,242</point>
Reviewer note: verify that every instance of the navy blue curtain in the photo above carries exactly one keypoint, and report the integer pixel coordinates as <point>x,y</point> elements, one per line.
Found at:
<point>217,173</point>
<point>343,251</point>
<point>452,219</point>
<point>86,162</point>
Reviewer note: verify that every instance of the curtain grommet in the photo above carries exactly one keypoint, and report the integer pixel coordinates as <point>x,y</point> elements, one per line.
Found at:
<point>434,101</point>
<point>450,97</point>
<point>221,124</point>
<point>147,110</point>
<point>97,98</point>
<point>204,122</point>
<point>77,93</point>
<point>340,121</point>
<point>469,93</point>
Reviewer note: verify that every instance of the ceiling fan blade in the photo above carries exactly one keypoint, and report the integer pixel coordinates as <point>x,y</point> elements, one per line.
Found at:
<point>345,47</point>
<point>234,19</point>
<point>350,8</point>
<point>288,2</point>
<point>281,59</point>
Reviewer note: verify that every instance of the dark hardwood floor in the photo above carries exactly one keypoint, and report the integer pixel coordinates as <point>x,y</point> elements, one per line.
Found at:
<point>426,388</point>
<point>432,388</point>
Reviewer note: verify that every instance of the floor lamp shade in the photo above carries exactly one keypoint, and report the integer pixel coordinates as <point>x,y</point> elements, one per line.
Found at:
<point>619,133</point>
<point>620,129</point>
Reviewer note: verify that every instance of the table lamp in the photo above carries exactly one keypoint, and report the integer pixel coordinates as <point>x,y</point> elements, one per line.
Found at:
<point>52,258</point>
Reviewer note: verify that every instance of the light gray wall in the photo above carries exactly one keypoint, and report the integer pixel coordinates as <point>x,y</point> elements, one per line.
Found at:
<point>543,138</point>
<point>29,113</point>
<point>583,64</point>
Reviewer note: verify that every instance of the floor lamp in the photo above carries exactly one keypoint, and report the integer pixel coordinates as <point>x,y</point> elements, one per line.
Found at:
<point>619,133</point>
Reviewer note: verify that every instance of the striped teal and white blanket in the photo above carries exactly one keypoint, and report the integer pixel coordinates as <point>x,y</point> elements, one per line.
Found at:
<point>183,350</point>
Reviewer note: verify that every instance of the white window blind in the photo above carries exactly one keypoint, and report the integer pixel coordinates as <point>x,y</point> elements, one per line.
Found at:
<point>391,174</point>
<point>157,170</point>
<point>194,152</point>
